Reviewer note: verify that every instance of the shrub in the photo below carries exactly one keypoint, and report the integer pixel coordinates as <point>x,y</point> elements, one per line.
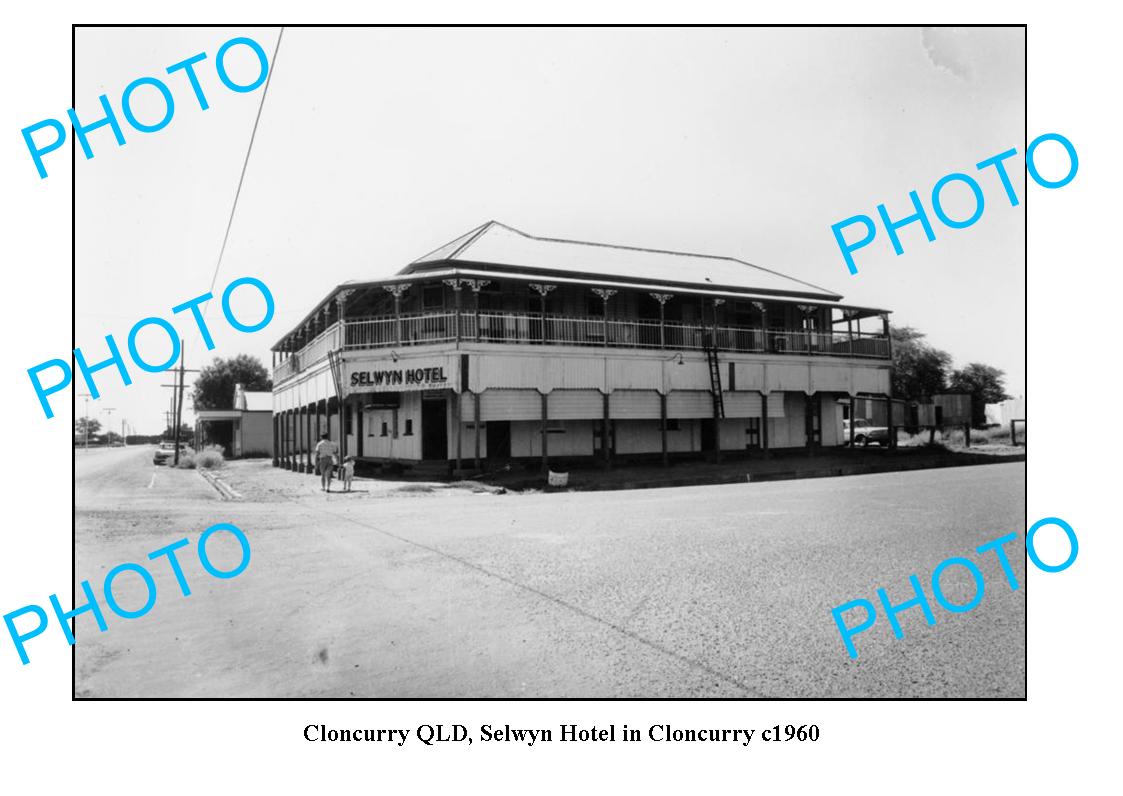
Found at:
<point>955,437</point>
<point>905,440</point>
<point>210,458</point>
<point>186,462</point>
<point>994,435</point>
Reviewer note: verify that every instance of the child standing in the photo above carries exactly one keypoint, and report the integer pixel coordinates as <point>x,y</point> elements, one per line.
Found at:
<point>348,472</point>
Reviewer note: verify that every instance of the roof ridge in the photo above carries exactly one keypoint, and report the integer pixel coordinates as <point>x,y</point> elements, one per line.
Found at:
<point>653,251</point>
<point>470,234</point>
<point>473,237</point>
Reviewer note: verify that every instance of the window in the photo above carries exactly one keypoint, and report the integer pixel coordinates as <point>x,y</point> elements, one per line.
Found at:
<point>490,297</point>
<point>347,421</point>
<point>752,433</point>
<point>409,427</point>
<point>745,314</point>
<point>433,297</point>
<point>647,308</point>
<point>385,430</point>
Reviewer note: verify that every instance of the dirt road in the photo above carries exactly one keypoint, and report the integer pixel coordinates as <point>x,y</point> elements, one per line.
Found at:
<point>716,591</point>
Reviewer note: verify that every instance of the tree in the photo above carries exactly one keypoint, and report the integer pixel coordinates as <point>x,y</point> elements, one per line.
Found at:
<point>86,424</point>
<point>214,388</point>
<point>919,370</point>
<point>185,432</point>
<point>984,384</point>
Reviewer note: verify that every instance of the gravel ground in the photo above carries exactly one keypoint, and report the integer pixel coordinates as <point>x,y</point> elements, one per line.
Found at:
<point>713,591</point>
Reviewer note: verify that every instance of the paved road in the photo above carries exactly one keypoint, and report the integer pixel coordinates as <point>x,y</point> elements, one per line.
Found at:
<point>721,591</point>
<point>107,478</point>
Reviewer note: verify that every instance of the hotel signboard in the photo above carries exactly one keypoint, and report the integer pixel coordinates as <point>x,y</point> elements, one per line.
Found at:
<point>396,377</point>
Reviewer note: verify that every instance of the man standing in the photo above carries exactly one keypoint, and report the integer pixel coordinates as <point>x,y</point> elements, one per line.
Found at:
<point>326,451</point>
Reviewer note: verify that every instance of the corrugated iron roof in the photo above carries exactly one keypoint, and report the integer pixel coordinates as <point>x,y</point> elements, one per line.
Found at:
<point>496,251</point>
<point>495,244</point>
<point>258,402</point>
<point>470,271</point>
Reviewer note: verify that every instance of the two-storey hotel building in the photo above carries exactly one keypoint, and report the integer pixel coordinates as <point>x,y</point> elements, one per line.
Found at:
<point>503,346</point>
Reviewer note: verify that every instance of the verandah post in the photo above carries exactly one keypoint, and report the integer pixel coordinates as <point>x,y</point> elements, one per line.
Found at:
<point>459,413</point>
<point>477,285</point>
<point>396,291</point>
<point>456,284</point>
<point>853,417</point>
<point>605,293</point>
<point>309,466</point>
<point>607,435</point>
<point>663,425</point>
<point>545,435</point>
<point>662,298</point>
<point>542,291</point>
<point>764,423</point>
<point>301,439</point>
<point>476,407</point>
<point>889,422</point>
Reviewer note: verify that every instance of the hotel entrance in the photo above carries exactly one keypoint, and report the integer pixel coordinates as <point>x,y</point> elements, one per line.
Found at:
<point>434,425</point>
<point>498,440</point>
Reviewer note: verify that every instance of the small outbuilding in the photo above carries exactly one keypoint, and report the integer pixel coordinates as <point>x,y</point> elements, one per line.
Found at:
<point>244,431</point>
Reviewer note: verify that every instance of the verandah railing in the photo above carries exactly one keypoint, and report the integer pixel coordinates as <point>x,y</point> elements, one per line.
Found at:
<point>533,328</point>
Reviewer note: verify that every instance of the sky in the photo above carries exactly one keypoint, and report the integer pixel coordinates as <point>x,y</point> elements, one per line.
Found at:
<point>377,145</point>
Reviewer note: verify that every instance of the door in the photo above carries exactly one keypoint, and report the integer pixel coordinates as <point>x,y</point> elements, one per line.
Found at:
<point>599,436</point>
<point>709,434</point>
<point>498,439</point>
<point>434,428</point>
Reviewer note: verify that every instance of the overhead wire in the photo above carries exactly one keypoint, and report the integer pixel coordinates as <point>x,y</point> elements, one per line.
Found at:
<point>242,175</point>
<point>245,164</point>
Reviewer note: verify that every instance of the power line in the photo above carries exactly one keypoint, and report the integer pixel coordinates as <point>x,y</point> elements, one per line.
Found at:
<point>233,211</point>
<point>245,163</point>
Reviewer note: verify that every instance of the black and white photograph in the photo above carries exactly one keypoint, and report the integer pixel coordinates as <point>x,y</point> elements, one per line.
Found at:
<point>551,363</point>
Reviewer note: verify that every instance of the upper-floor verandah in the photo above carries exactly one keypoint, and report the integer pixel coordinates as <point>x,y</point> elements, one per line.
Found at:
<point>433,309</point>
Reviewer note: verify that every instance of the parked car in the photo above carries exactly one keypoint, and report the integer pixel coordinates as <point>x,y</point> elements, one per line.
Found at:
<point>864,433</point>
<point>165,452</point>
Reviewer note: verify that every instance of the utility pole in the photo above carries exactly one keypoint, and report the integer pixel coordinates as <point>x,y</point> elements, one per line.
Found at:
<point>179,402</point>
<point>177,398</point>
<point>87,396</point>
<point>109,410</point>
<point>124,437</point>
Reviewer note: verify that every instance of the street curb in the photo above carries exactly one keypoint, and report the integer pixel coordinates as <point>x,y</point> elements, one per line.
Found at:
<point>789,475</point>
<point>868,469</point>
<point>220,486</point>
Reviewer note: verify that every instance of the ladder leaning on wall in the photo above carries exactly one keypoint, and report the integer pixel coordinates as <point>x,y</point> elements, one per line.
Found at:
<point>715,382</point>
